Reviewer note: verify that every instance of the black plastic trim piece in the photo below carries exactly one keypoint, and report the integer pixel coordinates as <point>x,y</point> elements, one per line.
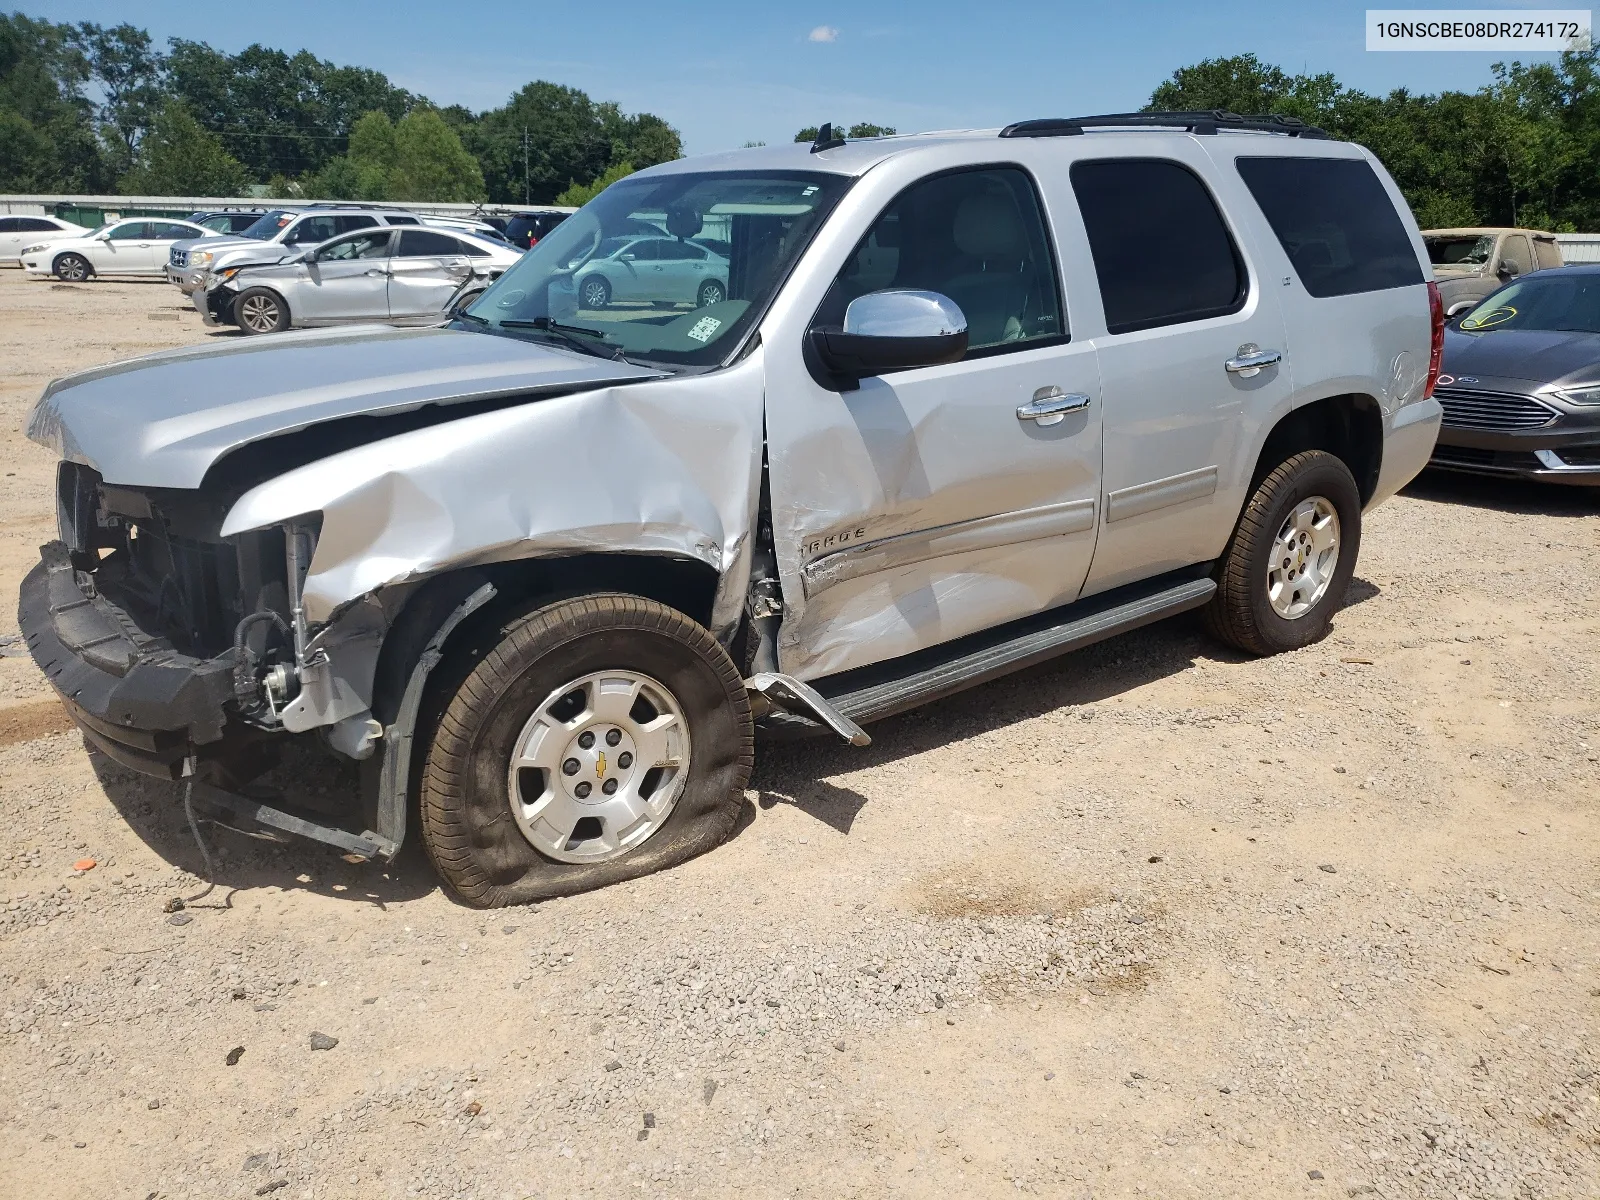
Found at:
<point>1201,122</point>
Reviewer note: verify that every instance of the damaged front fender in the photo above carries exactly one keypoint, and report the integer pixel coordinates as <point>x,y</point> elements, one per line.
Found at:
<point>667,466</point>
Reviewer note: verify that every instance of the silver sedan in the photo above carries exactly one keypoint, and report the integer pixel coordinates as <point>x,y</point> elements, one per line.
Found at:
<point>401,276</point>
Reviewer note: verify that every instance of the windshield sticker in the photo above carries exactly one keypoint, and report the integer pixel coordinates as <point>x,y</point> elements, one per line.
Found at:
<point>1497,316</point>
<point>704,328</point>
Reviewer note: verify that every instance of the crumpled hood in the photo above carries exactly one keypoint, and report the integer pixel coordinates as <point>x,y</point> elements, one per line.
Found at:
<point>1536,355</point>
<point>162,420</point>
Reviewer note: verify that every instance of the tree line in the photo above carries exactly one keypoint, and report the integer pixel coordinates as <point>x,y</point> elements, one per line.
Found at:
<point>87,108</point>
<point>1525,150</point>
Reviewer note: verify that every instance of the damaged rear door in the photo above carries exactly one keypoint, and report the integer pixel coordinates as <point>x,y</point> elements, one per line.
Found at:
<point>934,502</point>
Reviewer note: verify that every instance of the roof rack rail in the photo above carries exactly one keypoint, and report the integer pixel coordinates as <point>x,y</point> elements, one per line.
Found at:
<point>1206,121</point>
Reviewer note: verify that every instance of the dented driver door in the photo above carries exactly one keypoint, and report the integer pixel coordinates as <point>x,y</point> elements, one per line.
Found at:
<point>931,503</point>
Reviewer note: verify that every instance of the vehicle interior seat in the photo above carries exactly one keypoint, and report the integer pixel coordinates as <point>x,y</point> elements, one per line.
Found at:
<point>994,288</point>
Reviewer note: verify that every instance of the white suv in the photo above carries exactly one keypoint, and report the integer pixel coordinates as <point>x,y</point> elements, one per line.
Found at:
<point>964,402</point>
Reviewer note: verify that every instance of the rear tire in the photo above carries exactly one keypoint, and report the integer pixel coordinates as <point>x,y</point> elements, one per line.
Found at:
<point>482,821</point>
<point>260,310</point>
<point>72,268</point>
<point>1288,564</point>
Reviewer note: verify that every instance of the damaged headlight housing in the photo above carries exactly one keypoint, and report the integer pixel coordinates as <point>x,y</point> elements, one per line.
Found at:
<point>199,258</point>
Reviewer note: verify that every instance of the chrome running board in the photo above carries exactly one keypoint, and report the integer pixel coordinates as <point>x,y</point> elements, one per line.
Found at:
<point>884,689</point>
<point>801,700</point>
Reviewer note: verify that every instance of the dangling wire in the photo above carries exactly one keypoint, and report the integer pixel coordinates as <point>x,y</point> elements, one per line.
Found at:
<point>205,854</point>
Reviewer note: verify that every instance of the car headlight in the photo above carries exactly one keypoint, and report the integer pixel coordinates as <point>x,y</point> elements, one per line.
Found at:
<point>34,249</point>
<point>1584,393</point>
<point>199,258</point>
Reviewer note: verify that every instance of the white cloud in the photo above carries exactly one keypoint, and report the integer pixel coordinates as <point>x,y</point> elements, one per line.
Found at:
<point>823,33</point>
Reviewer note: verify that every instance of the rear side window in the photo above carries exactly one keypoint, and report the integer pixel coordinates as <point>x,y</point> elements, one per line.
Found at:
<point>424,243</point>
<point>36,225</point>
<point>1336,223</point>
<point>1161,250</point>
<point>402,220</point>
<point>346,224</point>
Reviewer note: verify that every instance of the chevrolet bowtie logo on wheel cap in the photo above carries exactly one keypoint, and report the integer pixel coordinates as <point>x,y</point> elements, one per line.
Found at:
<point>600,765</point>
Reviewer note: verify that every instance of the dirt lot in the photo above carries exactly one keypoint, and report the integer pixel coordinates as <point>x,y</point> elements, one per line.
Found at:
<point>1153,920</point>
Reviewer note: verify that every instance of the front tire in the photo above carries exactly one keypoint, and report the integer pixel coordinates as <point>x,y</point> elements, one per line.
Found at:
<point>73,268</point>
<point>1288,565</point>
<point>711,292</point>
<point>260,310</point>
<point>604,738</point>
<point>595,293</point>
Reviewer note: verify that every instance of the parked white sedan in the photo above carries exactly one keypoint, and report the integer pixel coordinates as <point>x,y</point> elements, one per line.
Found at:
<point>131,246</point>
<point>31,230</point>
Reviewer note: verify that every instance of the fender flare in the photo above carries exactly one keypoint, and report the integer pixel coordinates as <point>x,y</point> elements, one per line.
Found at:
<point>399,737</point>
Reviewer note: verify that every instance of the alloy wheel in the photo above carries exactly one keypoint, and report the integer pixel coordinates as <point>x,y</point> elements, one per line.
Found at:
<point>1305,555</point>
<point>599,766</point>
<point>259,314</point>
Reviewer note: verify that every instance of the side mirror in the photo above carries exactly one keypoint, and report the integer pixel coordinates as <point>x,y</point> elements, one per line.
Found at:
<point>626,256</point>
<point>892,330</point>
<point>102,237</point>
<point>1506,271</point>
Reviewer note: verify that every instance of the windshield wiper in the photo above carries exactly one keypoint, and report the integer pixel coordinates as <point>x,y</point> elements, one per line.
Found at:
<point>570,335</point>
<point>466,316</point>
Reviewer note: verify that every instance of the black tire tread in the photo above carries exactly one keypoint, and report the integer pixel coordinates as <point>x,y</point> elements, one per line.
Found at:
<point>444,834</point>
<point>1227,616</point>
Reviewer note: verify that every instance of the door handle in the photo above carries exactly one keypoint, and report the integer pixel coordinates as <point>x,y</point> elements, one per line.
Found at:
<point>372,271</point>
<point>1250,358</point>
<point>1050,406</point>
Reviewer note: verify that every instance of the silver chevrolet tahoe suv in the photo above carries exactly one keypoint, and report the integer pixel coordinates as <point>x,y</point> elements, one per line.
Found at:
<point>967,401</point>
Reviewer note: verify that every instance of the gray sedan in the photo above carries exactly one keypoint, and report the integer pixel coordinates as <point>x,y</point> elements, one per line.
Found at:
<point>653,270</point>
<point>401,276</point>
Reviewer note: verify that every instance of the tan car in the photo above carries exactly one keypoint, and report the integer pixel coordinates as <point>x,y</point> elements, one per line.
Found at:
<point>1470,263</point>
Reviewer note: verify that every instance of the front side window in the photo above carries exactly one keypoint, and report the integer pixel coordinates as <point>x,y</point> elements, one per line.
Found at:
<point>576,287</point>
<point>1517,254</point>
<point>471,249</point>
<point>131,231</point>
<point>368,245</point>
<point>166,231</point>
<point>975,236</point>
<point>221,223</point>
<point>311,230</point>
<point>1162,253</point>
<point>1336,223</point>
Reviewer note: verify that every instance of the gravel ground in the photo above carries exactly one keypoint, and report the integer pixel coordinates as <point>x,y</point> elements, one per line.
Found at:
<point>1152,920</point>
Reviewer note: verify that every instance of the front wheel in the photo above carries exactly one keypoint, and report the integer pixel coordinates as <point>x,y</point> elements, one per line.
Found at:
<point>260,310</point>
<point>1288,565</point>
<point>73,268</point>
<point>595,293</point>
<point>604,738</point>
<point>711,292</point>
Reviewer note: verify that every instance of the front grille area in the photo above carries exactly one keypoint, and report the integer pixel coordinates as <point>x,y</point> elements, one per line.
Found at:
<point>1464,456</point>
<point>1466,408</point>
<point>157,555</point>
<point>178,258</point>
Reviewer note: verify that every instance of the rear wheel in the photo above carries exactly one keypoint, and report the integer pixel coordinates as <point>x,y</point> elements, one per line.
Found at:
<point>711,292</point>
<point>260,310</point>
<point>73,268</point>
<point>604,738</point>
<point>1288,565</point>
<point>596,292</point>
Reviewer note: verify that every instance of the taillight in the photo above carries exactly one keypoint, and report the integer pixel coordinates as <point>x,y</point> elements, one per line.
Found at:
<point>1436,351</point>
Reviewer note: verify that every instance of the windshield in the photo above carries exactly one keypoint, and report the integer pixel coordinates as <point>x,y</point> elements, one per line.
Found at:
<point>1569,303</point>
<point>634,272</point>
<point>268,224</point>
<point>1466,250</point>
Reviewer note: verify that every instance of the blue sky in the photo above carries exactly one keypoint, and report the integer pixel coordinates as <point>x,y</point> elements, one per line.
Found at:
<point>724,74</point>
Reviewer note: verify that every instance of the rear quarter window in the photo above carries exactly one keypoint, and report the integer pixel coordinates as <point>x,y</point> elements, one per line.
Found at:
<point>1336,223</point>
